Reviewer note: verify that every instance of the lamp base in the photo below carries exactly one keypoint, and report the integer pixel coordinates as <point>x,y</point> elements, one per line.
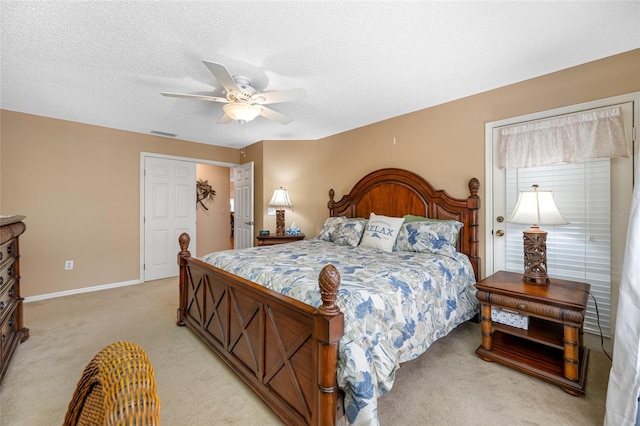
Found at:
<point>536,279</point>
<point>535,256</point>
<point>280,223</point>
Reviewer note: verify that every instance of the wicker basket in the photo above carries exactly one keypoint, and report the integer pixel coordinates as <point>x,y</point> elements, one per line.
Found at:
<point>116,388</point>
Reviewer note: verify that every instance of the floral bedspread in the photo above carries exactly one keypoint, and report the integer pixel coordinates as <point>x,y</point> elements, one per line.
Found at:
<point>395,305</point>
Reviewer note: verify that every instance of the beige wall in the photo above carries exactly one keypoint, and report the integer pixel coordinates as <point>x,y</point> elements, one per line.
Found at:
<point>213,223</point>
<point>291,165</point>
<point>79,185</point>
<point>445,144</point>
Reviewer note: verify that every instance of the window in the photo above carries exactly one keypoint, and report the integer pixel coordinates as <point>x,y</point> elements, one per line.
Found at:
<point>580,250</point>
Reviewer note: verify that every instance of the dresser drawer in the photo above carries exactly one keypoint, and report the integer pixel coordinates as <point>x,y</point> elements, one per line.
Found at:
<point>7,251</point>
<point>7,299</point>
<point>9,338</point>
<point>7,275</point>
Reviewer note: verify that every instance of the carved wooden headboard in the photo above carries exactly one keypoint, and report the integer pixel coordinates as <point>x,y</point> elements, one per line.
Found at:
<point>397,192</point>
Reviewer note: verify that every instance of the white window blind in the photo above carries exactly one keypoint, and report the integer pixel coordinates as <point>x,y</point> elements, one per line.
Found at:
<point>580,250</point>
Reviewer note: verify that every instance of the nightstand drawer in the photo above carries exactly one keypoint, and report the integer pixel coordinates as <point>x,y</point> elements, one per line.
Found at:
<point>527,307</point>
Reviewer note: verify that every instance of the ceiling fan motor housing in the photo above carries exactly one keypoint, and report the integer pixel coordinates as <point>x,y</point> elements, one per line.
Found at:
<point>247,90</point>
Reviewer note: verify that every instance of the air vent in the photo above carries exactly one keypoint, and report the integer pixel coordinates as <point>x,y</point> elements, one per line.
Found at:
<point>159,133</point>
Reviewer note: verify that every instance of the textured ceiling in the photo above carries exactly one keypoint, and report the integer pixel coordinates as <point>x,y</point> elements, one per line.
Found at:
<point>106,62</point>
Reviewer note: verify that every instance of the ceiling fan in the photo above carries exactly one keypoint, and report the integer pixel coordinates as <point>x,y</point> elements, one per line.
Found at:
<point>243,103</point>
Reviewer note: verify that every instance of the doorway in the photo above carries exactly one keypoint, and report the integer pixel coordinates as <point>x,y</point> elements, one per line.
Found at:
<point>498,233</point>
<point>171,248</point>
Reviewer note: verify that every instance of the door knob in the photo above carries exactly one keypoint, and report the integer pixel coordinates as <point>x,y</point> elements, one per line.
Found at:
<point>499,232</point>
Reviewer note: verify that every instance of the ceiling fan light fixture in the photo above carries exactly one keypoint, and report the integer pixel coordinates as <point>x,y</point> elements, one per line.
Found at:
<point>241,112</point>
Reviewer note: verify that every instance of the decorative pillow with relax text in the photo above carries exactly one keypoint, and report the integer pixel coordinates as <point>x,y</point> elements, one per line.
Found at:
<point>381,232</point>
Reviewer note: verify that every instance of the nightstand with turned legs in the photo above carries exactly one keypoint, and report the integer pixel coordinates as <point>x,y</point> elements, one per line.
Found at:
<point>545,340</point>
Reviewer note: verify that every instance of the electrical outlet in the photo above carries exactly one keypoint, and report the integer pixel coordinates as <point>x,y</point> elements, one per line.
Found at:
<point>68,265</point>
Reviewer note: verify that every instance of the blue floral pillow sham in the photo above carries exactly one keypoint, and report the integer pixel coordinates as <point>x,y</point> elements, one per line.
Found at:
<point>438,237</point>
<point>330,227</point>
<point>342,230</point>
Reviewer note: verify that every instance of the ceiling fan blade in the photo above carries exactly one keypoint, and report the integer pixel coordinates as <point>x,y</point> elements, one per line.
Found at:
<point>194,96</point>
<point>274,115</point>
<point>225,119</point>
<point>277,96</point>
<point>223,76</point>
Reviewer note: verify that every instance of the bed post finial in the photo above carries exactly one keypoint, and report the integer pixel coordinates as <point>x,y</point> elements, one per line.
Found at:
<point>329,281</point>
<point>474,186</point>
<point>184,241</point>
<point>331,202</point>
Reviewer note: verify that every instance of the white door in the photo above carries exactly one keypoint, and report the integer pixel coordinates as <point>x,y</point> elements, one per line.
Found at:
<point>496,226</point>
<point>243,200</point>
<point>169,210</point>
<point>497,211</point>
<point>595,197</point>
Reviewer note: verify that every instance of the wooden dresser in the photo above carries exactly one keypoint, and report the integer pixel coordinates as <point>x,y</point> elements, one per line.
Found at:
<point>11,317</point>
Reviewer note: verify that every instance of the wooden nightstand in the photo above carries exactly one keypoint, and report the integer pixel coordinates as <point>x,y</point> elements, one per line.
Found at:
<point>272,240</point>
<point>551,348</point>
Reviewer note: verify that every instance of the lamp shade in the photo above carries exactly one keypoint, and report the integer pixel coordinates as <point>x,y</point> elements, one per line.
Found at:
<point>280,198</point>
<point>241,112</point>
<point>537,208</point>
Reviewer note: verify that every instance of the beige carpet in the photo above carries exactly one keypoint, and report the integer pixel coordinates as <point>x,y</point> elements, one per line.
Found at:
<point>448,385</point>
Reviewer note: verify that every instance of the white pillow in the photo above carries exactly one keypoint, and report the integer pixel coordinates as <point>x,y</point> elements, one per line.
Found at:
<point>381,232</point>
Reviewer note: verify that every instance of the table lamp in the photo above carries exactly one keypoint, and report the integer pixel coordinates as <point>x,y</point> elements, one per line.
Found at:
<point>536,208</point>
<point>280,199</point>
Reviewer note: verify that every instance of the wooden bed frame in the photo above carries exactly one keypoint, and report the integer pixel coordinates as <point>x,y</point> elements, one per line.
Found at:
<point>287,351</point>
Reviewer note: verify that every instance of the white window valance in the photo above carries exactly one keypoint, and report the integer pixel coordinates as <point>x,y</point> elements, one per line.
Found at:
<point>567,139</point>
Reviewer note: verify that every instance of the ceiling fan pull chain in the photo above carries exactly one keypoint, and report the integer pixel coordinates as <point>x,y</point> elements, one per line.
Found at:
<point>242,140</point>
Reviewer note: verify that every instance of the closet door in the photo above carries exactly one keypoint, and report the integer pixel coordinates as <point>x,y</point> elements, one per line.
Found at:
<point>169,210</point>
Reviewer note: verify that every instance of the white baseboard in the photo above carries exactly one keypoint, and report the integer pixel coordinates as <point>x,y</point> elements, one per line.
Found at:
<point>80,290</point>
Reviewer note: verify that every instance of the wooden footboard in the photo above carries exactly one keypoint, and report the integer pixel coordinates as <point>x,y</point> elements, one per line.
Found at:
<point>285,350</point>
